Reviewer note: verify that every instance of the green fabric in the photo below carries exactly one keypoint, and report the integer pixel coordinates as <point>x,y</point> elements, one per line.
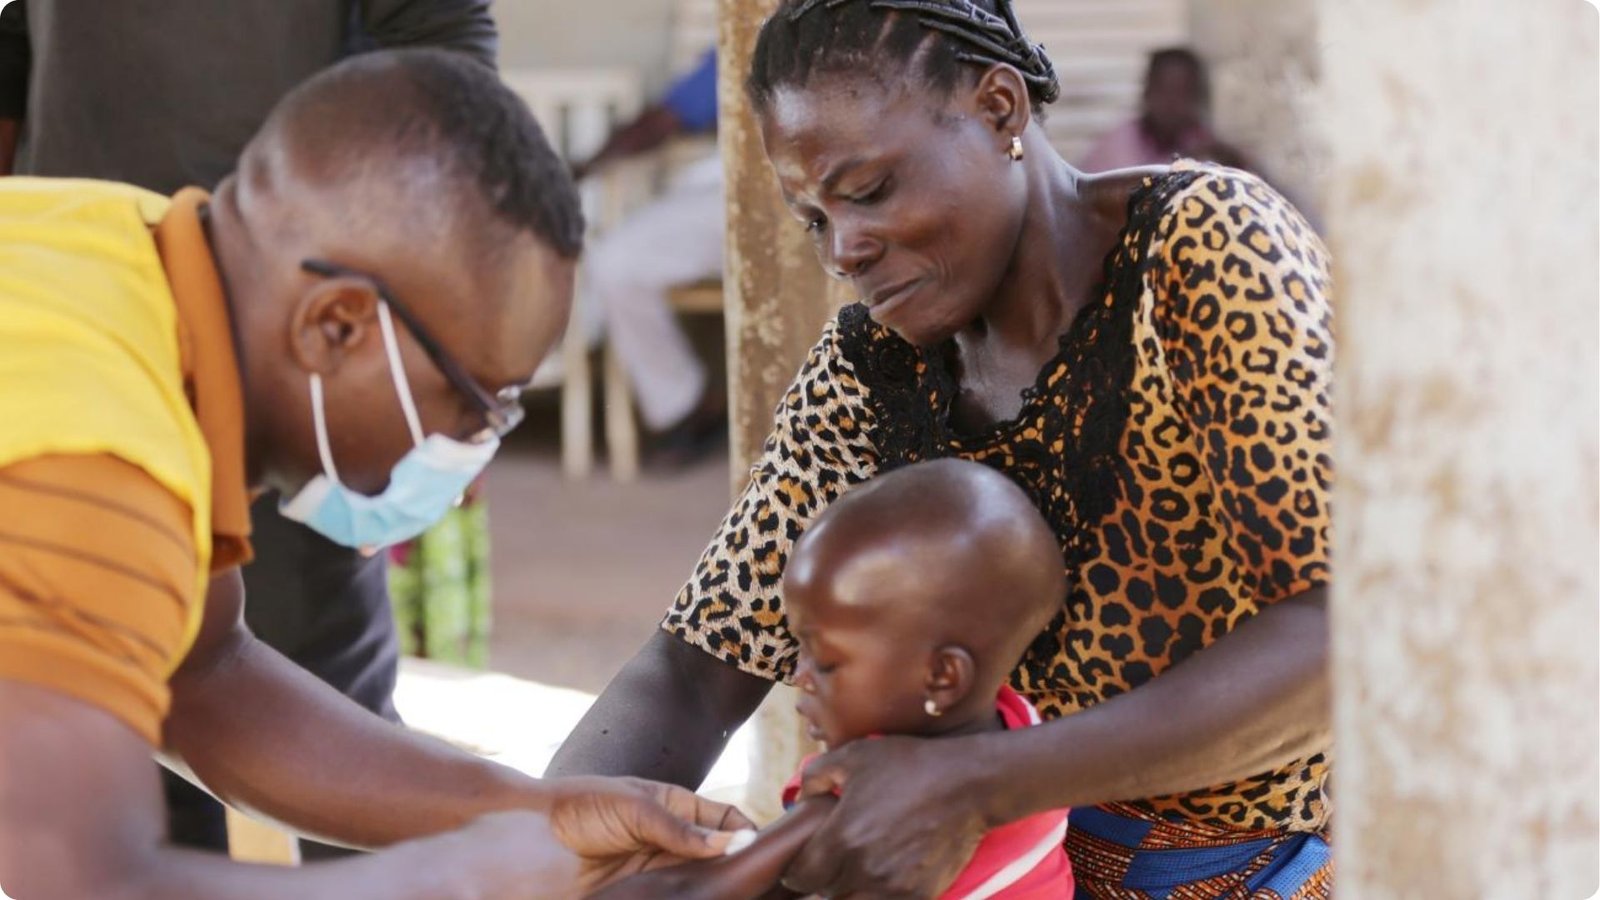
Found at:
<point>439,584</point>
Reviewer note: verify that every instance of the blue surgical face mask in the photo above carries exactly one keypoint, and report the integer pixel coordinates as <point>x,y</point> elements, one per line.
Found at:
<point>423,485</point>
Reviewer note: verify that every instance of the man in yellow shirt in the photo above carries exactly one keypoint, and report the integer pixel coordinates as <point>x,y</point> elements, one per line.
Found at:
<point>348,320</point>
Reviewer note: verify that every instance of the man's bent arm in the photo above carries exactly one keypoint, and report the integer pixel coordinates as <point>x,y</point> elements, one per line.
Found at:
<point>81,816</point>
<point>267,737</point>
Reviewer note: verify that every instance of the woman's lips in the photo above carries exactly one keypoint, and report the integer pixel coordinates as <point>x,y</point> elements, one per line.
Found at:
<point>883,303</point>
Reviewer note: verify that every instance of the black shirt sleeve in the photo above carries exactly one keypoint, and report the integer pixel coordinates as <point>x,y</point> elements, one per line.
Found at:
<point>461,25</point>
<point>16,58</point>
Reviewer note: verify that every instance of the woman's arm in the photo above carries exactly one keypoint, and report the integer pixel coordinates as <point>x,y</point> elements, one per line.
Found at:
<point>670,711</point>
<point>666,716</point>
<point>1256,700</point>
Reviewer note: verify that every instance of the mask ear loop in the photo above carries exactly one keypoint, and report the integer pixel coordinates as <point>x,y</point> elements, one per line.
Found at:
<point>321,423</point>
<point>397,373</point>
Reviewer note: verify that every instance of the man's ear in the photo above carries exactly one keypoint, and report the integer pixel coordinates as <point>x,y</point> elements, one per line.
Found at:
<point>331,318</point>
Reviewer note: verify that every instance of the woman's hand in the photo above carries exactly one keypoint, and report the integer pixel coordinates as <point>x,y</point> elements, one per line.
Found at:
<point>908,819</point>
<point>619,826</point>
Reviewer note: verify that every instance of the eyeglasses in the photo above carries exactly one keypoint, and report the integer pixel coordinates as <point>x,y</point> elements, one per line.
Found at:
<point>502,410</point>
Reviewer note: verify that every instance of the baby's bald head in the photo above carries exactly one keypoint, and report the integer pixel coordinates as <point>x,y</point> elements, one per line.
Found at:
<point>948,551</point>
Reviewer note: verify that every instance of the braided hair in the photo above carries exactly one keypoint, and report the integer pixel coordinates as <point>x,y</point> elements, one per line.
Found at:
<point>937,39</point>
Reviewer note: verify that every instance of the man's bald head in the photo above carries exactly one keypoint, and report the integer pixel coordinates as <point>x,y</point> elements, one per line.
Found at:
<point>950,546</point>
<point>429,136</point>
<point>427,184</point>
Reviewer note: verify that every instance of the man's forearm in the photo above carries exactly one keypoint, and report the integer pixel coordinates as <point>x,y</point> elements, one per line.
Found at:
<point>666,716</point>
<point>1255,700</point>
<point>270,738</point>
<point>83,818</point>
<point>430,869</point>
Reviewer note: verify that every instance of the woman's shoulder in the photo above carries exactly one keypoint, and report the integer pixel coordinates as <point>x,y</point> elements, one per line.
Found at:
<point>1228,199</point>
<point>1108,193</point>
<point>1141,196</point>
<point>1231,239</point>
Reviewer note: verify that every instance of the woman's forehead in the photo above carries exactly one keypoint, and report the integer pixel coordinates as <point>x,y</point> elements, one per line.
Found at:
<point>813,130</point>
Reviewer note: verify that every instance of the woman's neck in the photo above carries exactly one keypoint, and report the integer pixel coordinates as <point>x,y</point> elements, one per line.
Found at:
<point>1053,272</point>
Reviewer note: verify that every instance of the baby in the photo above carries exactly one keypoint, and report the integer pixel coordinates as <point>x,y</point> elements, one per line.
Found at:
<point>912,598</point>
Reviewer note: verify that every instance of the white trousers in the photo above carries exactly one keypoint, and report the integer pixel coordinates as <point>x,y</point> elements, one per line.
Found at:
<point>677,239</point>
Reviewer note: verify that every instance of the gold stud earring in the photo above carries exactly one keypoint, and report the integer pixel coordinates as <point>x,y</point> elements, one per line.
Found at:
<point>932,708</point>
<point>1015,151</point>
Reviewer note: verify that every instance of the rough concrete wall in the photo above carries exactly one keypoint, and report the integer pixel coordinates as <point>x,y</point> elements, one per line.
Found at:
<point>1462,211</point>
<point>777,302</point>
<point>777,295</point>
<point>1264,69</point>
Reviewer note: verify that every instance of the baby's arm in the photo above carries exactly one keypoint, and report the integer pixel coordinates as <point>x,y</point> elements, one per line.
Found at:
<point>749,874</point>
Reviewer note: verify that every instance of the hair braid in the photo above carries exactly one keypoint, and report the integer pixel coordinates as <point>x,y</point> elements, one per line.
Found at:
<point>796,42</point>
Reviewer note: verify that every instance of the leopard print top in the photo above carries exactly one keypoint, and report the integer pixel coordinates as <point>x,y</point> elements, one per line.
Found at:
<point>1178,443</point>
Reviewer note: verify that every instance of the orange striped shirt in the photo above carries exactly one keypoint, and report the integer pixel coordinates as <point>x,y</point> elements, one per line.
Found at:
<point>98,559</point>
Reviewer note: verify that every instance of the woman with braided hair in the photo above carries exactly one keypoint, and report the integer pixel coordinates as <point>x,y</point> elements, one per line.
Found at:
<point>1148,353</point>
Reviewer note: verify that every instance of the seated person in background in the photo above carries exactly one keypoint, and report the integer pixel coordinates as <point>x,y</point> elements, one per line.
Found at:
<point>913,596</point>
<point>1174,120</point>
<point>674,240</point>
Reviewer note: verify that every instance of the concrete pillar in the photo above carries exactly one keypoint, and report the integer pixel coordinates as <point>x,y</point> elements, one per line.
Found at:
<point>777,302</point>
<point>1461,206</point>
<point>1264,68</point>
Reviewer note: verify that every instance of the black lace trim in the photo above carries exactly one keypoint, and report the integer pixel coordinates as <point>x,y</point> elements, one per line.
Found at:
<point>1097,361</point>
<point>1081,393</point>
<point>906,411</point>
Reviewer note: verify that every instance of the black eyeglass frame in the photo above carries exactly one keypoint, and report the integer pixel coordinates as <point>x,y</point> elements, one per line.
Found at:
<point>502,410</point>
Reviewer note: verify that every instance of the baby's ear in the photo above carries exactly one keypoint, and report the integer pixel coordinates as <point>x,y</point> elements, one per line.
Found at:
<point>951,675</point>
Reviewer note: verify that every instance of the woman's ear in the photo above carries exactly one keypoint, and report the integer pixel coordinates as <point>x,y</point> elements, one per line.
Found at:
<point>951,676</point>
<point>1001,97</point>
<point>332,317</point>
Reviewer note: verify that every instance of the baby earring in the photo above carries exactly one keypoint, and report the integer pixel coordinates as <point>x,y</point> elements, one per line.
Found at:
<point>1015,150</point>
<point>932,708</point>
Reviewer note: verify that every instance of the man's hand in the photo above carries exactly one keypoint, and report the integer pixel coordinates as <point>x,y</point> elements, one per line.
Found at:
<point>619,826</point>
<point>906,824</point>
